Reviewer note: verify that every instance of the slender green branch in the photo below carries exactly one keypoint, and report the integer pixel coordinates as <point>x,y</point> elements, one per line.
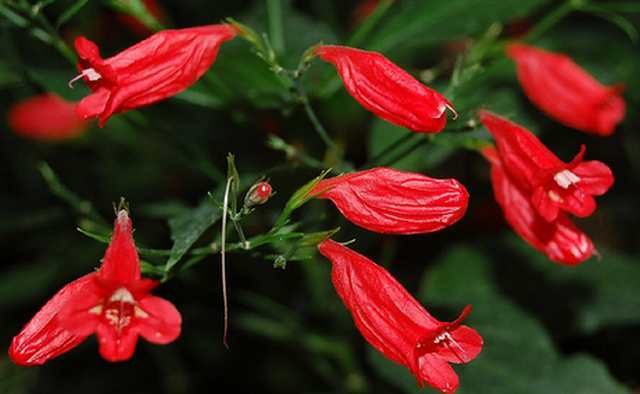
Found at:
<point>223,267</point>
<point>367,26</point>
<point>554,17</point>
<point>276,30</point>
<point>322,132</point>
<point>387,150</point>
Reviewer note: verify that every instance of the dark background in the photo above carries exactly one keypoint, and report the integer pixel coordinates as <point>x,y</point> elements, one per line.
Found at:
<point>547,328</point>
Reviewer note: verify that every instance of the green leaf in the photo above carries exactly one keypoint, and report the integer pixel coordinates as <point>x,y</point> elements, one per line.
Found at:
<point>517,352</point>
<point>70,12</point>
<point>187,228</point>
<point>136,9</point>
<point>428,22</point>
<point>612,283</point>
<point>299,198</point>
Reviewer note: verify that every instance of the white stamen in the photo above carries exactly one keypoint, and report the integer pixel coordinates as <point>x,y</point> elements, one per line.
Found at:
<point>448,340</point>
<point>96,310</point>
<point>450,108</point>
<point>555,197</point>
<point>90,73</point>
<point>565,178</point>
<point>122,295</point>
<point>140,313</point>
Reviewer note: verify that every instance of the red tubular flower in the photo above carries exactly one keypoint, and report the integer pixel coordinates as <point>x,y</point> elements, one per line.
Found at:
<point>559,239</point>
<point>566,92</point>
<point>394,323</point>
<point>156,68</point>
<point>388,91</point>
<point>553,185</point>
<point>46,117</point>
<point>113,302</point>
<point>389,201</point>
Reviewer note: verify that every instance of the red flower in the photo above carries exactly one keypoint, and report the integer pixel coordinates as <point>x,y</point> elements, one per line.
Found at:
<point>394,323</point>
<point>559,239</point>
<point>565,92</point>
<point>395,202</point>
<point>156,68</point>
<point>46,117</point>
<point>554,186</point>
<point>387,90</point>
<point>113,302</point>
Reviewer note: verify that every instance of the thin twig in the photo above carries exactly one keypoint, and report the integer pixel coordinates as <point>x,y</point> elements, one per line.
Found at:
<point>223,239</point>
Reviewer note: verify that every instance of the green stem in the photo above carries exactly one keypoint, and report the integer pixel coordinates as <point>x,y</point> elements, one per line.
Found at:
<point>406,152</point>
<point>390,148</point>
<point>322,132</point>
<point>276,31</point>
<point>554,17</point>
<point>367,26</point>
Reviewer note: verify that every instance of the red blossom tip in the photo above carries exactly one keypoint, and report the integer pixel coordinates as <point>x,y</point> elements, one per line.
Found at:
<point>389,201</point>
<point>566,92</point>
<point>394,323</point>
<point>385,89</point>
<point>156,68</point>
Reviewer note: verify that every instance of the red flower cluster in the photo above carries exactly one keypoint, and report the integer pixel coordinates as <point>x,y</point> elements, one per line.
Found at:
<point>393,322</point>
<point>114,303</point>
<point>565,92</point>
<point>387,90</point>
<point>385,200</point>
<point>536,190</point>
<point>156,68</point>
<point>46,117</point>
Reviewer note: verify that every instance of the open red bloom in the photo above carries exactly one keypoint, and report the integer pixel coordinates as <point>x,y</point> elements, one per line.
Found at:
<point>559,239</point>
<point>566,92</point>
<point>395,202</point>
<point>387,90</point>
<point>46,117</point>
<point>114,303</point>
<point>156,68</point>
<point>394,323</point>
<point>553,185</point>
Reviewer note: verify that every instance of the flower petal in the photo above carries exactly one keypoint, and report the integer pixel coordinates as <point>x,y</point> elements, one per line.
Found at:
<point>525,158</point>
<point>565,91</point>
<point>46,117</point>
<point>163,323</point>
<point>546,207</point>
<point>385,89</point>
<point>114,347</point>
<point>466,346</point>
<point>438,373</point>
<point>94,104</point>
<point>595,177</point>
<point>44,338</point>
<point>395,202</point>
<point>121,263</point>
<point>560,240</point>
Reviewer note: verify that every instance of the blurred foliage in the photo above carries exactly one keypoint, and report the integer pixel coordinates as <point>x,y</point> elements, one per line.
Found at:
<point>547,328</point>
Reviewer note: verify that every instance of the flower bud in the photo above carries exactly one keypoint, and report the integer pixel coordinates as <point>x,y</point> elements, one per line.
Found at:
<point>258,194</point>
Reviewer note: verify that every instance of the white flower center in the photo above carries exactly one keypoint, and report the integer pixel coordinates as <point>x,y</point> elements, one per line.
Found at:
<point>565,178</point>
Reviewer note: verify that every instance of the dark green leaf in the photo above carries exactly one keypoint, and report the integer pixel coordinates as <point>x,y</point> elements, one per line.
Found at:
<point>428,22</point>
<point>517,352</point>
<point>187,228</point>
<point>70,12</point>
